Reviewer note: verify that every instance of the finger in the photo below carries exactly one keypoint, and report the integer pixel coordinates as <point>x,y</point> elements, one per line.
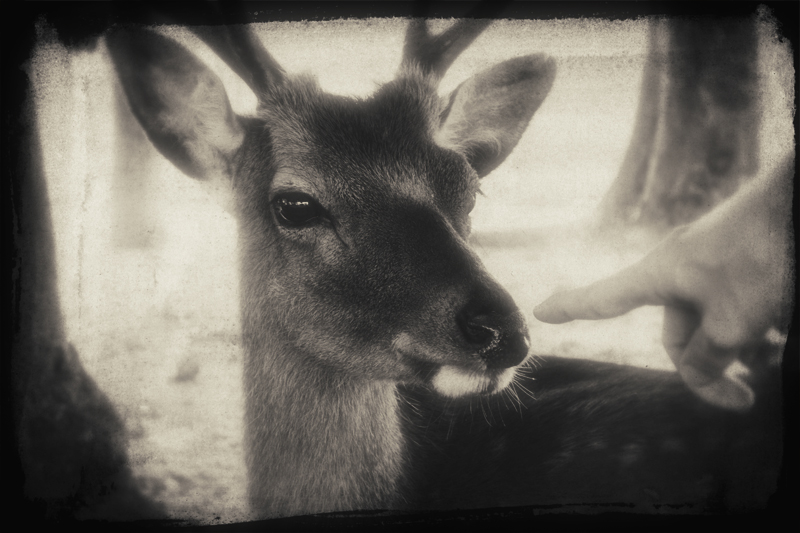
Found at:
<point>608,298</point>
<point>703,367</point>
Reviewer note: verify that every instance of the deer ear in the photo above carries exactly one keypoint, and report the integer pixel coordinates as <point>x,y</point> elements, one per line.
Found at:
<point>180,103</point>
<point>486,115</point>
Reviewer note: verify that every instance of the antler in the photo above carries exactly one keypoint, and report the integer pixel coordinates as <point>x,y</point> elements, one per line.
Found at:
<point>241,49</point>
<point>435,54</point>
<point>238,46</point>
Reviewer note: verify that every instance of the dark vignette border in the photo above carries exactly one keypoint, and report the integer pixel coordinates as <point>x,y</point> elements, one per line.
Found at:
<point>79,23</point>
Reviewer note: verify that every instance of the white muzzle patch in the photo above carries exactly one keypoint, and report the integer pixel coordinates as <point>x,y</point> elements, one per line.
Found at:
<point>455,382</point>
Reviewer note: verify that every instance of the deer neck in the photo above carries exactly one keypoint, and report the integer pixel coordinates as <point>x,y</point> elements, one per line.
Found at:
<point>316,443</point>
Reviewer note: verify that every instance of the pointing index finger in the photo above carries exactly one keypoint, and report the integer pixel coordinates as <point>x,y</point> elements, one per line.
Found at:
<point>608,298</point>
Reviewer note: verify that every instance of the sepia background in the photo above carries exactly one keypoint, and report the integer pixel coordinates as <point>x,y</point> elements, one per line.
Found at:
<point>147,259</point>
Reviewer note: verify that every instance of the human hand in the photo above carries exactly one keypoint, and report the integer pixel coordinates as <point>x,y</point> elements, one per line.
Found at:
<point>724,281</point>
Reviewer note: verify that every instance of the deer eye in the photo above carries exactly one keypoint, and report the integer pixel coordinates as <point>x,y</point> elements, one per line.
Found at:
<point>295,209</point>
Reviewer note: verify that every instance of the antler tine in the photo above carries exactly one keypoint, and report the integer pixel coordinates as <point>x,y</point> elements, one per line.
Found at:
<point>435,54</point>
<point>238,46</point>
<point>241,49</point>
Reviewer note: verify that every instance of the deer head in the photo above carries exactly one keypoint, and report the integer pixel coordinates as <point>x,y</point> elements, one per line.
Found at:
<point>354,214</point>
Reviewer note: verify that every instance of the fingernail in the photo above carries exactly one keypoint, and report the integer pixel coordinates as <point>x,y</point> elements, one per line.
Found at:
<point>723,391</point>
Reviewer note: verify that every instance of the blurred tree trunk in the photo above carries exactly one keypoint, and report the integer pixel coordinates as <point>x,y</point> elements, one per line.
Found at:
<point>696,134</point>
<point>70,440</point>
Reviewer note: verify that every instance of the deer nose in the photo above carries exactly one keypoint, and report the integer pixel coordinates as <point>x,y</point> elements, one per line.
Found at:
<point>501,339</point>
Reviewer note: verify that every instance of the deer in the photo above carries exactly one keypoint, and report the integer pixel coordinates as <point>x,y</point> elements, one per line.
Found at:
<point>384,366</point>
